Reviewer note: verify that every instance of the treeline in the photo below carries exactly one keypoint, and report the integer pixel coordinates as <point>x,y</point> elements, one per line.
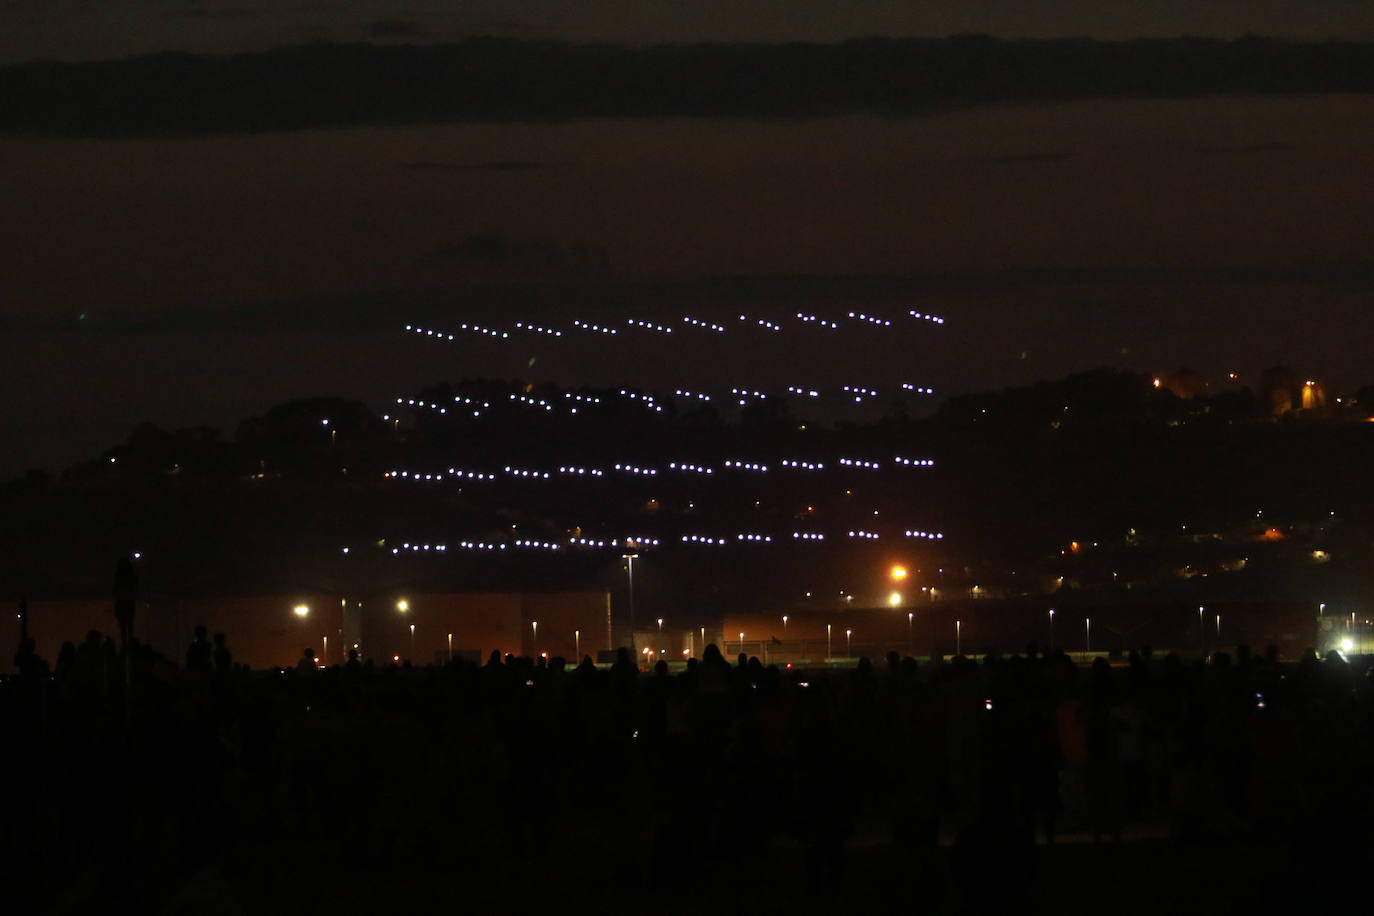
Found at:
<point>332,85</point>
<point>1018,475</point>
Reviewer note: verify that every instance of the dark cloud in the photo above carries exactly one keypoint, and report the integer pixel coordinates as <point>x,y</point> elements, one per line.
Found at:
<point>327,85</point>
<point>394,28</point>
<point>1025,158</point>
<point>502,165</point>
<point>1249,148</point>
<point>492,255</point>
<point>226,14</point>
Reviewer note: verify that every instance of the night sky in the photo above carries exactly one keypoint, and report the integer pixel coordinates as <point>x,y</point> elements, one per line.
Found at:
<point>198,280</point>
<point>71,29</point>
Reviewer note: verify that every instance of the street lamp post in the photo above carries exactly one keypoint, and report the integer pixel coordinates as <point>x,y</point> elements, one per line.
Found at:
<point>741,642</point>
<point>958,638</point>
<point>1051,628</point>
<point>827,641</point>
<point>630,569</point>
<point>403,607</point>
<point>577,645</point>
<point>1088,634</point>
<point>534,637</point>
<point>910,641</point>
<point>848,646</point>
<point>1201,632</point>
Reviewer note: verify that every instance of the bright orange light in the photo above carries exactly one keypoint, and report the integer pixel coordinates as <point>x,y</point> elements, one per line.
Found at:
<point>1158,383</point>
<point>899,572</point>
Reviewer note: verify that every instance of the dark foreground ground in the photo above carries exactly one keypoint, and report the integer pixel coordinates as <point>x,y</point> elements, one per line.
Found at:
<point>1241,785</point>
<point>1153,876</point>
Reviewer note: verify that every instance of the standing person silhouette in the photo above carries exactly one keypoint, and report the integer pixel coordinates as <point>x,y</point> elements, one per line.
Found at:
<point>125,599</point>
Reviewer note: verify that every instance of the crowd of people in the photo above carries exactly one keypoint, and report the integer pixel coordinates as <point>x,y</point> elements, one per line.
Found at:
<point>125,773</point>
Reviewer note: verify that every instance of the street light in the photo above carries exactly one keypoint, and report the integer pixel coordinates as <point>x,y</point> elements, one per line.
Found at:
<point>1088,633</point>
<point>958,638</point>
<point>784,626</point>
<point>534,637</point>
<point>848,648</point>
<point>1051,628</point>
<point>827,641</point>
<point>450,647</point>
<point>898,573</point>
<point>301,610</point>
<point>660,626</point>
<point>895,599</point>
<point>910,643</point>
<point>1201,632</point>
<point>403,605</point>
<point>577,645</point>
<point>412,640</point>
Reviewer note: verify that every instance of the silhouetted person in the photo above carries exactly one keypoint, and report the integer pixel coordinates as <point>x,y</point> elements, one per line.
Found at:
<point>27,660</point>
<point>126,600</point>
<point>623,669</point>
<point>198,654</point>
<point>66,660</point>
<point>224,662</point>
<point>25,647</point>
<point>307,663</point>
